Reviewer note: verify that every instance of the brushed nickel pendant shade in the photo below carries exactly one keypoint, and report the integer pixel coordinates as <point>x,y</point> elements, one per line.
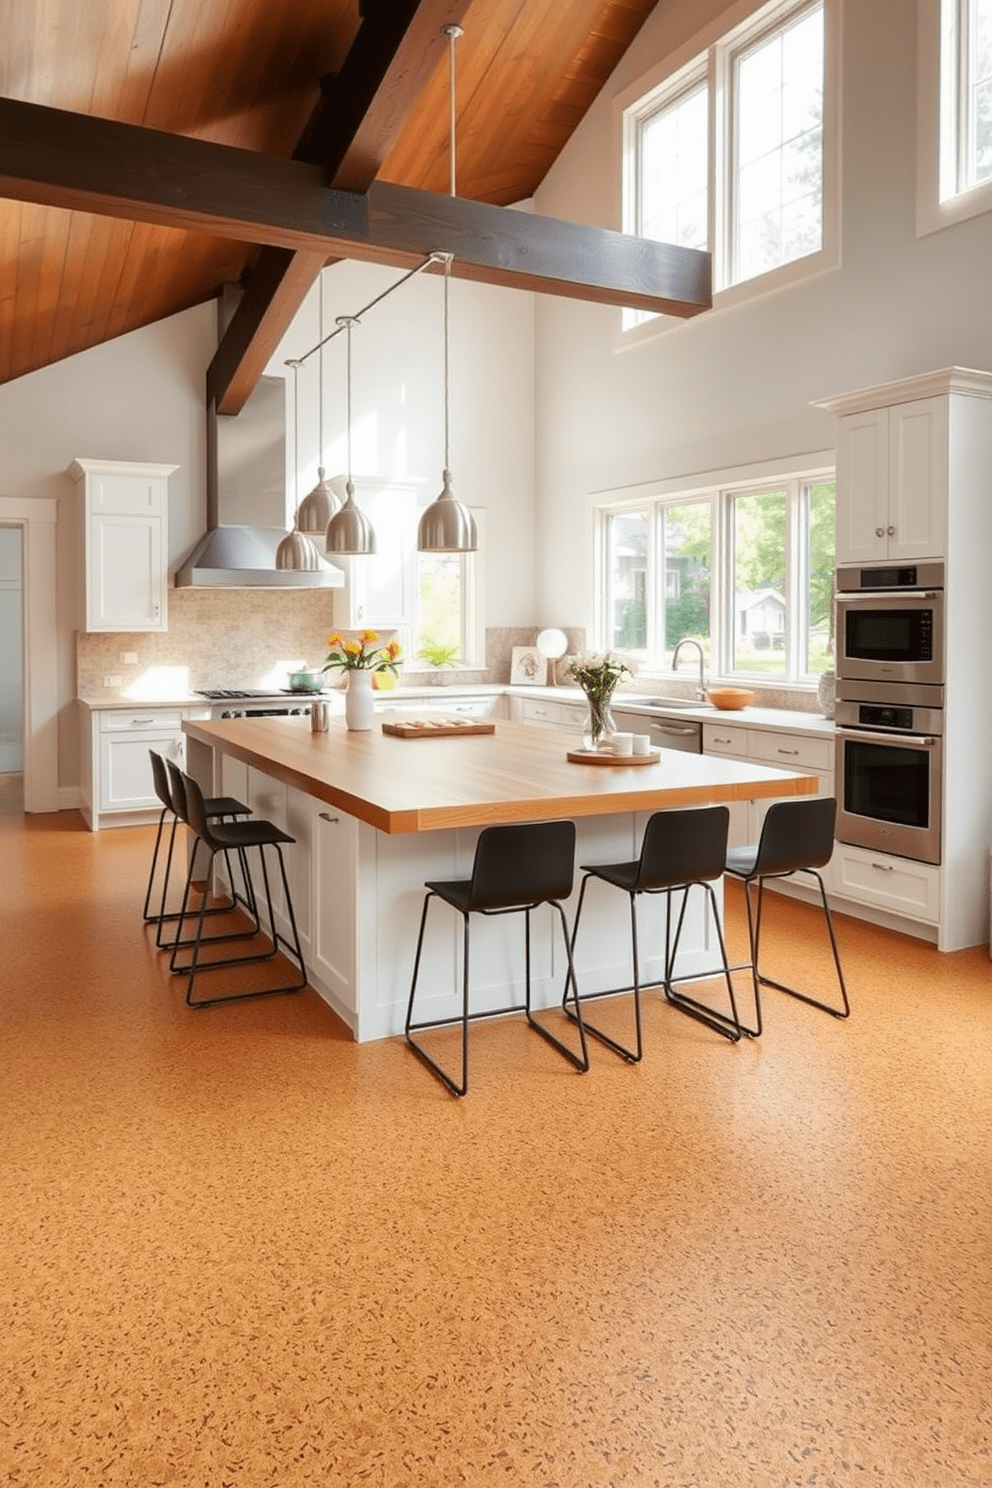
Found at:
<point>446,526</point>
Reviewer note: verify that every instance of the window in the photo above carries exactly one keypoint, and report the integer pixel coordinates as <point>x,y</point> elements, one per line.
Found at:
<point>732,153</point>
<point>966,95</point>
<point>746,569</point>
<point>449,625</point>
<point>955,112</point>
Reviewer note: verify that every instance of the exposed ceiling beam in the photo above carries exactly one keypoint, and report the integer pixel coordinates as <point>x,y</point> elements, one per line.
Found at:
<point>95,165</point>
<point>396,49</point>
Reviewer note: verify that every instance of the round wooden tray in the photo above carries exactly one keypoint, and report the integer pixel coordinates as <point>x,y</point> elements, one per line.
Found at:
<point>595,757</point>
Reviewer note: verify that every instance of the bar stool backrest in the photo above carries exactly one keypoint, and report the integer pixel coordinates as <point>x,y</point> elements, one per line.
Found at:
<point>796,834</point>
<point>682,847</point>
<point>525,863</point>
<point>196,811</point>
<point>177,782</point>
<point>160,780</point>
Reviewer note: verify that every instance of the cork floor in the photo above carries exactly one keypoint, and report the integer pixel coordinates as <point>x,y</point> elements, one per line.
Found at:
<point>237,1249</point>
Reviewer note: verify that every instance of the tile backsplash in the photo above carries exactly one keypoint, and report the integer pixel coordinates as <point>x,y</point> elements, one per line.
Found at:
<point>216,638</point>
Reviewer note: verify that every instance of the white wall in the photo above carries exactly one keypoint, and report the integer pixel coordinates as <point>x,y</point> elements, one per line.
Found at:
<point>141,397</point>
<point>735,386</point>
<point>398,405</point>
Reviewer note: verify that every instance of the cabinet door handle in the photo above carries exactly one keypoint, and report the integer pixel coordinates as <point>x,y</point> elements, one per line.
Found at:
<point>891,531</point>
<point>879,531</point>
<point>325,817</point>
<point>141,722</point>
<point>884,867</point>
<point>788,751</point>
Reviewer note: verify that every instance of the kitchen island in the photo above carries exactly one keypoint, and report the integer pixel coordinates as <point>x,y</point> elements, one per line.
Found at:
<point>374,815</point>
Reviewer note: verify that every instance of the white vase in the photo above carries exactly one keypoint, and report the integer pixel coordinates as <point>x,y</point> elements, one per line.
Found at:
<point>358,700</point>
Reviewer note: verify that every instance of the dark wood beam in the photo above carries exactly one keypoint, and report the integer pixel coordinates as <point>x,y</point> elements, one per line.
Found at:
<point>119,170</point>
<point>396,49</point>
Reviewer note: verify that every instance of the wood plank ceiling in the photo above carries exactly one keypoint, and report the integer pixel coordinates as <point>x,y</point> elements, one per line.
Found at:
<point>247,73</point>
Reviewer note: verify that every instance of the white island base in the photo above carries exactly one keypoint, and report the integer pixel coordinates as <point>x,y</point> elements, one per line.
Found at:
<point>358,895</point>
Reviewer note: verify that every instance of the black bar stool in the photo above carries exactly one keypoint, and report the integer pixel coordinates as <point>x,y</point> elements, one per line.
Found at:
<point>516,869</point>
<point>216,806</point>
<point>239,836</point>
<point>796,837</point>
<point>680,850</point>
<point>245,896</point>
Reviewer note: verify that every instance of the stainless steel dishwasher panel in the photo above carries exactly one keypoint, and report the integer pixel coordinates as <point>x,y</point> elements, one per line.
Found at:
<point>676,733</point>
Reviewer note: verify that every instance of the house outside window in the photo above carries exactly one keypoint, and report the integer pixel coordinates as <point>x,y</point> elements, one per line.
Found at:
<point>745,569</point>
<point>735,153</point>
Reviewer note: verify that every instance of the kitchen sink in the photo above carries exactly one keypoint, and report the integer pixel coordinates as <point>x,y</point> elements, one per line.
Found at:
<point>682,704</point>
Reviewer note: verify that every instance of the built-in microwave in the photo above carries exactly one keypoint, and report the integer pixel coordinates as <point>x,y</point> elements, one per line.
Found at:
<point>890,623</point>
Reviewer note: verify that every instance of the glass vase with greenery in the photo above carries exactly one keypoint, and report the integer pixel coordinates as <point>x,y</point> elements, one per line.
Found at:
<point>598,674</point>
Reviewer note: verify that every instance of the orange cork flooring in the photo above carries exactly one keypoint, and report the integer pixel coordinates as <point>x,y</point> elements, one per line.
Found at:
<point>238,1250</point>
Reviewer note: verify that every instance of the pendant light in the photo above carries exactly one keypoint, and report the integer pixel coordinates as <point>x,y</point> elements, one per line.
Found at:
<point>349,530</point>
<point>447,526</point>
<point>317,509</point>
<point>296,552</point>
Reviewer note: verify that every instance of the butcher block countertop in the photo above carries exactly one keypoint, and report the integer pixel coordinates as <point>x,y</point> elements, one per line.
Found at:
<point>517,774</point>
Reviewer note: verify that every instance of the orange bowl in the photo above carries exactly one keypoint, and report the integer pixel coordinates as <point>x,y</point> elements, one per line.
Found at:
<point>730,698</point>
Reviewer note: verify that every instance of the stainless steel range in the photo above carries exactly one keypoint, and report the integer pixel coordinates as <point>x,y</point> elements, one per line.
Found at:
<point>247,703</point>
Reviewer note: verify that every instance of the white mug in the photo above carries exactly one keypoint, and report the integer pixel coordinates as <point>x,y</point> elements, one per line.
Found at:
<point>623,743</point>
<point>642,744</point>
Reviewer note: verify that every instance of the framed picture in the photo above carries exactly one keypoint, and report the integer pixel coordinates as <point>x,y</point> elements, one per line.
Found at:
<point>528,666</point>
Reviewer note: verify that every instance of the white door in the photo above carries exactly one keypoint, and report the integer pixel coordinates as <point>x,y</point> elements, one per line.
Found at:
<point>11,652</point>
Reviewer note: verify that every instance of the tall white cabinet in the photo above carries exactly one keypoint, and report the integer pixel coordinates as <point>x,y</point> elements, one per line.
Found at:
<point>914,481</point>
<point>124,523</point>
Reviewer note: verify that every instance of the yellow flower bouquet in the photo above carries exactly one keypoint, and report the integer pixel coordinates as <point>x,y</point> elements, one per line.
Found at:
<point>362,654</point>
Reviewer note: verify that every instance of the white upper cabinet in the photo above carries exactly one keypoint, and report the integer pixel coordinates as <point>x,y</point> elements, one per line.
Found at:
<point>892,466</point>
<point>124,521</point>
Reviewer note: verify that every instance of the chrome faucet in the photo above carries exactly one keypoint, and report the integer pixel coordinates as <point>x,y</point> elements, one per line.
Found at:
<point>689,641</point>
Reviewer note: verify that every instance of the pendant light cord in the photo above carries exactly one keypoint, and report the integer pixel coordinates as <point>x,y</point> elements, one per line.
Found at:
<point>452,33</point>
<point>320,374</point>
<point>348,405</point>
<point>294,363</point>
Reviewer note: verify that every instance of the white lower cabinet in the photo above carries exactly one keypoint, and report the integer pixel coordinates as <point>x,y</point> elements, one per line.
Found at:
<point>799,752</point>
<point>548,713</point>
<point>896,885</point>
<point>116,783</point>
<point>334,905</point>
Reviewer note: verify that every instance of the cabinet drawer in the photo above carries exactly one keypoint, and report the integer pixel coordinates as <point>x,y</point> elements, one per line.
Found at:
<point>789,750</point>
<point>532,711</point>
<point>895,884</point>
<point>141,719</point>
<point>719,739</point>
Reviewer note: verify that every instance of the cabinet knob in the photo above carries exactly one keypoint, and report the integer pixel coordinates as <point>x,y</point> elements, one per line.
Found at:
<point>879,531</point>
<point>891,531</point>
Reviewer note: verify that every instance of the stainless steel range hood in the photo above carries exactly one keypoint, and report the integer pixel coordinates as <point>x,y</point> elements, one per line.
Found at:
<point>246,481</point>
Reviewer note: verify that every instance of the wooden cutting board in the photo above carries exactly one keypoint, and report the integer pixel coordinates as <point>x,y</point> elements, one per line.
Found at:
<point>440,728</point>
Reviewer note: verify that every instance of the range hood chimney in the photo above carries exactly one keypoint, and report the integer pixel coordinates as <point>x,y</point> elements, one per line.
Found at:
<point>246,481</point>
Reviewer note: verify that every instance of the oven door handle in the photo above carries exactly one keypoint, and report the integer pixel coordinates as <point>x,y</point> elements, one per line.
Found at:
<point>881,596</point>
<point>922,741</point>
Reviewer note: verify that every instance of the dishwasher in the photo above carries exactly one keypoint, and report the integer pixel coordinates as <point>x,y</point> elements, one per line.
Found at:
<point>665,733</point>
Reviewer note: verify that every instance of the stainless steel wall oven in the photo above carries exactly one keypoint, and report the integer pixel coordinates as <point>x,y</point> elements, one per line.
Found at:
<point>890,708</point>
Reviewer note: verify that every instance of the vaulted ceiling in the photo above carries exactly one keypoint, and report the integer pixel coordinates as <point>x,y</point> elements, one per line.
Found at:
<point>278,125</point>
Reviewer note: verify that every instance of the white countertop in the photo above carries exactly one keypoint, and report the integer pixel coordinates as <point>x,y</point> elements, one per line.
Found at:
<point>755,717</point>
<point>788,719</point>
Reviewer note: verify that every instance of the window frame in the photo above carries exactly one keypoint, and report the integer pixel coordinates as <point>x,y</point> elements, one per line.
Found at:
<point>720,489</point>
<point>713,56</point>
<point>941,198</point>
<point>473,627</point>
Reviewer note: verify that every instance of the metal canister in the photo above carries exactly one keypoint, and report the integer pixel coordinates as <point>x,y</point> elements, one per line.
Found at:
<point>320,716</point>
